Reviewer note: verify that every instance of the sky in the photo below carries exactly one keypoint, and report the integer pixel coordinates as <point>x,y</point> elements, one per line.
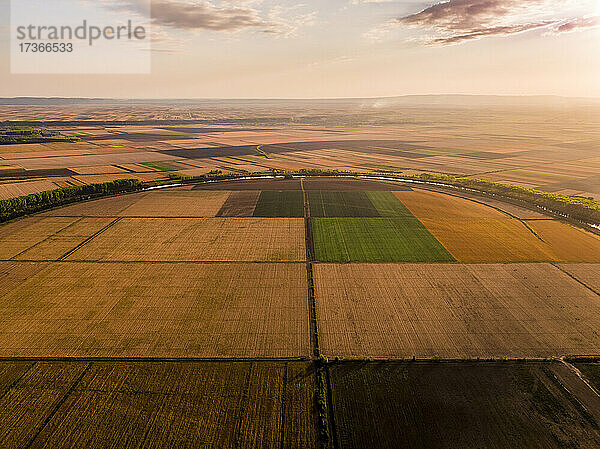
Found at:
<point>329,49</point>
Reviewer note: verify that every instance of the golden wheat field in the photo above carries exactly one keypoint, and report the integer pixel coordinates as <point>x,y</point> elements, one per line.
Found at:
<point>157,309</point>
<point>19,236</point>
<point>454,311</point>
<point>177,203</point>
<point>207,239</point>
<point>475,232</point>
<point>62,242</point>
<point>568,243</point>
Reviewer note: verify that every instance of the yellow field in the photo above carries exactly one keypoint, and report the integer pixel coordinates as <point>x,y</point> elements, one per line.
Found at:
<point>485,240</point>
<point>177,203</point>
<point>18,236</point>
<point>64,240</point>
<point>426,204</point>
<point>570,244</point>
<point>205,239</point>
<point>454,311</point>
<point>474,232</point>
<point>105,207</point>
<point>12,274</point>
<point>158,309</point>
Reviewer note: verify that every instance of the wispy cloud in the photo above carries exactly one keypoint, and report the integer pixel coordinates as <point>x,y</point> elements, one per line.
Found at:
<point>456,21</point>
<point>578,24</point>
<point>204,15</point>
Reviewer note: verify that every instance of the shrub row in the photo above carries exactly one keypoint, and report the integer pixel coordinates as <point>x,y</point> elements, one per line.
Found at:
<point>36,202</point>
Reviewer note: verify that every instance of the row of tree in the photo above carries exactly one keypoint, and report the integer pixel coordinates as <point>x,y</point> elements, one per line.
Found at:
<point>36,202</point>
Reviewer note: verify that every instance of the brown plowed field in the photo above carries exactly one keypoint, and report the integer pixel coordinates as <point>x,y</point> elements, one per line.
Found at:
<point>467,405</point>
<point>156,310</point>
<point>207,239</point>
<point>454,311</point>
<point>240,204</point>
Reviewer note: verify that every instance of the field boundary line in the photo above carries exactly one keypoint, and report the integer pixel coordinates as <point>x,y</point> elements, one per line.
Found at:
<point>555,264</point>
<point>89,239</point>
<point>47,238</point>
<point>59,405</point>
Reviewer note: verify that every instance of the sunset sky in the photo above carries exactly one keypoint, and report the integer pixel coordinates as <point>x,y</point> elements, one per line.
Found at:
<point>345,48</point>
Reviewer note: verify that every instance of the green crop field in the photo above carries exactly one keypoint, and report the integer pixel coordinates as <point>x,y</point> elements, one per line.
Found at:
<point>375,240</point>
<point>341,204</point>
<point>388,205</point>
<point>273,203</point>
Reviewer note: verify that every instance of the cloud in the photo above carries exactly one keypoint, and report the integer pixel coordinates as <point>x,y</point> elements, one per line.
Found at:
<point>228,15</point>
<point>456,21</point>
<point>463,15</point>
<point>204,15</point>
<point>578,24</point>
<point>492,31</point>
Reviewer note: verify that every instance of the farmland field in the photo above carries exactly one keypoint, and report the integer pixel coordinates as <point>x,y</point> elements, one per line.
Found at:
<point>474,232</point>
<point>463,405</point>
<point>187,317</point>
<point>570,244</point>
<point>279,204</point>
<point>153,404</point>
<point>240,204</point>
<point>208,239</point>
<point>341,204</point>
<point>591,371</point>
<point>454,311</point>
<point>211,310</point>
<point>375,240</point>
<point>17,237</point>
<point>181,203</point>
<point>588,274</point>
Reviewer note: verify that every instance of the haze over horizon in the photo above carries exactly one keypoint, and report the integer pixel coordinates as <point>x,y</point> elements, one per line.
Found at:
<point>257,49</point>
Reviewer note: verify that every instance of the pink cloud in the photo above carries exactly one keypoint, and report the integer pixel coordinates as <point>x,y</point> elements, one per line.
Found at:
<point>463,20</point>
<point>487,32</point>
<point>466,15</point>
<point>577,24</point>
